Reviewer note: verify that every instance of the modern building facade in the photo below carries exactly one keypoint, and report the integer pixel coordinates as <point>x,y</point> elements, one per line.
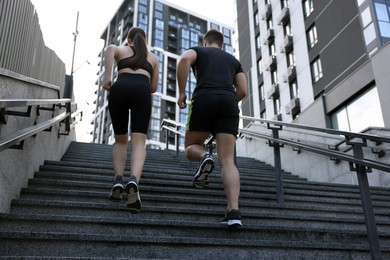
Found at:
<point>170,31</point>
<point>318,63</point>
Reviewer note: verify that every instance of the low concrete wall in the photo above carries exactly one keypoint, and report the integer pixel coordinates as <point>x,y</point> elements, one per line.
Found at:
<point>312,166</point>
<point>18,166</point>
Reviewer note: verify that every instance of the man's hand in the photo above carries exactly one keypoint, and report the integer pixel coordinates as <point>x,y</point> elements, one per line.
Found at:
<point>182,101</point>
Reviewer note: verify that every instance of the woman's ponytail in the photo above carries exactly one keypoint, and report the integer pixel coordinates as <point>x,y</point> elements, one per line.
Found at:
<point>137,35</point>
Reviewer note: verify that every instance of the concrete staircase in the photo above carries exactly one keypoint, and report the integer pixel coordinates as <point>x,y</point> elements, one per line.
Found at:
<point>64,213</point>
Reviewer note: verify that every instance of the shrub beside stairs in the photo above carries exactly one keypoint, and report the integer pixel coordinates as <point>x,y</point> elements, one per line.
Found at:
<point>64,213</point>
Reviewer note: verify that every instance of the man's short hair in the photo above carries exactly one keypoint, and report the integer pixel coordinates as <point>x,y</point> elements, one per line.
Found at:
<point>213,36</point>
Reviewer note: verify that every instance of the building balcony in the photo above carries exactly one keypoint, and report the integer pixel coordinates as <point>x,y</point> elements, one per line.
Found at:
<point>293,107</point>
<point>274,91</point>
<point>284,16</point>
<point>290,75</point>
<point>272,62</point>
<point>268,12</point>
<point>288,43</point>
<point>270,36</point>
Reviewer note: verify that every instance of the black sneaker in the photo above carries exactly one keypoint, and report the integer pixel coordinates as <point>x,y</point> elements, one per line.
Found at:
<point>116,190</point>
<point>206,166</point>
<point>232,219</point>
<point>133,199</point>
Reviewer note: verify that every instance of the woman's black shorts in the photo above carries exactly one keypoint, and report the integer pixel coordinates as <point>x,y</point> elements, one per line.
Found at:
<point>214,113</point>
<point>130,91</point>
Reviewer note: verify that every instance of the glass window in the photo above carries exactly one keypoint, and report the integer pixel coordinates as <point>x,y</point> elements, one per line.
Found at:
<point>369,34</point>
<point>226,40</point>
<point>159,24</point>
<point>261,92</point>
<point>290,59</point>
<point>229,49</point>
<point>384,29</point>
<point>158,6</point>
<point>258,42</point>
<point>381,12</point>
<point>158,43</point>
<point>274,77</point>
<point>308,7</point>
<point>270,24</point>
<point>283,3</point>
<point>294,91</point>
<point>312,36</point>
<point>362,112</point>
<point>143,9</point>
<point>366,17</point>
<point>158,15</point>
<point>287,29</point>
<point>159,34</point>
<point>316,70</point>
<point>271,49</point>
<point>260,66</point>
<point>340,120</point>
<point>256,17</point>
<point>214,26</point>
<point>226,32</point>
<point>277,106</point>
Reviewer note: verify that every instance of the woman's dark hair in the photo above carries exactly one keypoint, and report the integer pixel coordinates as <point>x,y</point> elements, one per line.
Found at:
<point>213,36</point>
<point>138,36</point>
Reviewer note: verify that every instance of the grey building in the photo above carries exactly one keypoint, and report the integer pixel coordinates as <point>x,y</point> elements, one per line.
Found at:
<point>170,30</point>
<point>319,63</point>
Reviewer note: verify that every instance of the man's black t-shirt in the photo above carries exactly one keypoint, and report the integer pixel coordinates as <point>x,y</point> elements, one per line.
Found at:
<point>215,70</point>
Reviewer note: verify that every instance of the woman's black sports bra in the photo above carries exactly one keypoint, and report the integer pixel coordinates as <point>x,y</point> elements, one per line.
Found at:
<point>124,63</point>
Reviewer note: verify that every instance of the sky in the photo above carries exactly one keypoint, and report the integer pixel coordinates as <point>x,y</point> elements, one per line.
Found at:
<point>57,19</point>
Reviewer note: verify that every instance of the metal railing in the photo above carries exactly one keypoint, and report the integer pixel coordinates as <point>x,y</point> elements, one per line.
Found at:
<point>16,139</point>
<point>354,142</point>
<point>356,161</point>
<point>171,126</point>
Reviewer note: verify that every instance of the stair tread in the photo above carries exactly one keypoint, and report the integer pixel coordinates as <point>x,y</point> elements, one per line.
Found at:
<point>66,202</point>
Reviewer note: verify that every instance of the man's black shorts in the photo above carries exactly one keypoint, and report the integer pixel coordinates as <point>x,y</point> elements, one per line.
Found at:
<point>214,113</point>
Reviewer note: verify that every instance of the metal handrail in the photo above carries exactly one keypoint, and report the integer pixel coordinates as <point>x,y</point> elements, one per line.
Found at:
<point>173,126</point>
<point>357,163</point>
<point>20,135</point>
<point>330,153</point>
<point>371,137</point>
<point>4,103</point>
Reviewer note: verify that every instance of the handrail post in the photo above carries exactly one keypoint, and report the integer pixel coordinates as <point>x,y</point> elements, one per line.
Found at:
<point>68,119</point>
<point>167,138</point>
<point>278,164</point>
<point>368,211</point>
<point>177,140</point>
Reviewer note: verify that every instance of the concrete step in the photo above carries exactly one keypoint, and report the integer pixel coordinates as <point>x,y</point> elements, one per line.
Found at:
<point>71,224</point>
<point>64,213</point>
<point>58,244</point>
